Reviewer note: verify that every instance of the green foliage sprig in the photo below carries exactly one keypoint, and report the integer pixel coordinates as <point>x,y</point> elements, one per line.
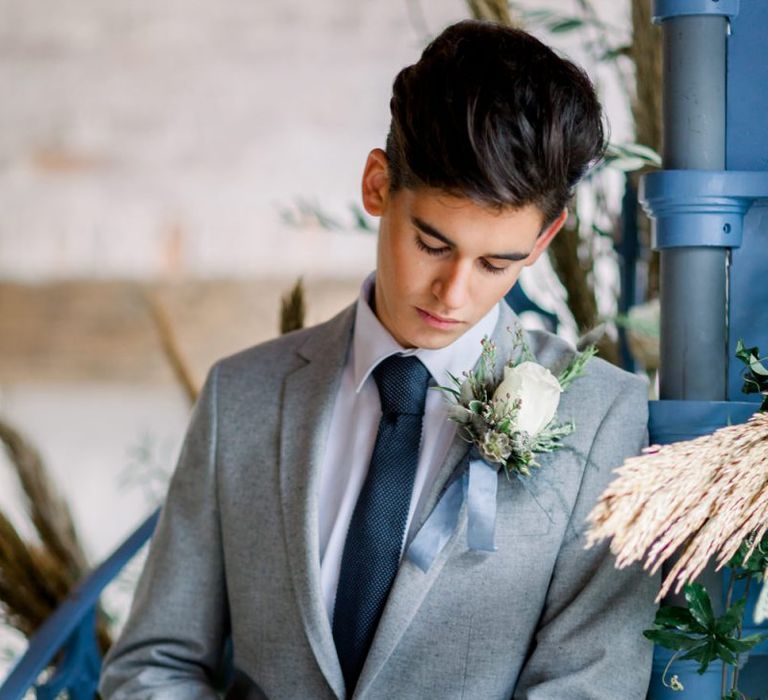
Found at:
<point>755,375</point>
<point>756,564</point>
<point>697,634</point>
<point>576,367</point>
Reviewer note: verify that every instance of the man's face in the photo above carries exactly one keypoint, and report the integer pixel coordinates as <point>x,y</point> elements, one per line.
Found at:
<point>444,261</point>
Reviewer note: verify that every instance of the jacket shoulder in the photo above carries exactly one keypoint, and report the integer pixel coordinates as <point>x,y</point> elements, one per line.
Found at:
<point>270,361</point>
<point>555,353</point>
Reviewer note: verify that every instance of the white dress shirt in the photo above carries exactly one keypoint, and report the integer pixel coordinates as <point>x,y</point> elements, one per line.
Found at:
<point>355,423</point>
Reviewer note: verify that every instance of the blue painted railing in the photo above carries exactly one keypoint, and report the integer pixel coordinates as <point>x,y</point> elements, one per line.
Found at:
<point>71,631</point>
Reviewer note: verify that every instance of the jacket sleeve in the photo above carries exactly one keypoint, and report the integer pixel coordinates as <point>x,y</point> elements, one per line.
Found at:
<point>174,637</point>
<point>588,643</point>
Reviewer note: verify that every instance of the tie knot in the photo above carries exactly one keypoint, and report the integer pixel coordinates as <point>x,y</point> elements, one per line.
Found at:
<point>402,383</point>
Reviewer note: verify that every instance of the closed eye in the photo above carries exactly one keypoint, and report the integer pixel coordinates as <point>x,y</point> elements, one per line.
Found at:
<point>430,250</point>
<point>440,250</point>
<point>492,268</point>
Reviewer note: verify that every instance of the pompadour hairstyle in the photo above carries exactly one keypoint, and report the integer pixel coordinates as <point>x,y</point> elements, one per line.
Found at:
<point>490,113</point>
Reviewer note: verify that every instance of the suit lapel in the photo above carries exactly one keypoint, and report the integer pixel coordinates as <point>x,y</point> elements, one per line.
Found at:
<point>411,584</point>
<point>308,398</point>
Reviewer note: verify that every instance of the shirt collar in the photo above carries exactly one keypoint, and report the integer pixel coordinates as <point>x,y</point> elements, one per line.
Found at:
<point>372,343</point>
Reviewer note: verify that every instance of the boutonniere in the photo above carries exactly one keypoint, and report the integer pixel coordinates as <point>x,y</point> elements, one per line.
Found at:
<point>510,416</point>
<point>508,413</point>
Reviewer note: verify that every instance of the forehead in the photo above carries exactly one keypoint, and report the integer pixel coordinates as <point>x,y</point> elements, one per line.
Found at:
<point>459,217</point>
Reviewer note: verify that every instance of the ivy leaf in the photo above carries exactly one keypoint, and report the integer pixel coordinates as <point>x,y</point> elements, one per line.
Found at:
<point>751,358</point>
<point>696,631</point>
<point>755,375</point>
<point>700,605</point>
<point>705,654</point>
<point>730,620</point>
<point>675,617</point>
<point>679,641</point>
<point>757,562</point>
<point>725,653</point>
<point>746,643</point>
<point>757,366</point>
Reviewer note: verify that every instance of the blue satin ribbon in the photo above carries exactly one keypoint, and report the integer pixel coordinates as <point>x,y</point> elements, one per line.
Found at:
<point>477,486</point>
<point>481,506</point>
<point>438,528</point>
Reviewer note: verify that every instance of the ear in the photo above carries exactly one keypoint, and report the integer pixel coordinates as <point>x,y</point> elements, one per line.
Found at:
<point>545,237</point>
<point>376,182</point>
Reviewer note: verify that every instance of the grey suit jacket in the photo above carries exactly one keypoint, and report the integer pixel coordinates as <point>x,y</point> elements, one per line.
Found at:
<point>235,554</point>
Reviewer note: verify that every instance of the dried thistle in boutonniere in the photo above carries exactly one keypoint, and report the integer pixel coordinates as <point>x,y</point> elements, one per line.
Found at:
<point>510,416</point>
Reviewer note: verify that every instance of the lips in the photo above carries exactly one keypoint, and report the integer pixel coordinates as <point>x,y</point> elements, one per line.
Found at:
<point>437,321</point>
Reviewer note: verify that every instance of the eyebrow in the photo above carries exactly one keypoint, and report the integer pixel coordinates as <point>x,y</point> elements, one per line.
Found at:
<point>424,227</point>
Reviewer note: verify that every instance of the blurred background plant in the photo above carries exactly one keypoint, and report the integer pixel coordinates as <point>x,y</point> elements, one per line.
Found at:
<point>36,576</point>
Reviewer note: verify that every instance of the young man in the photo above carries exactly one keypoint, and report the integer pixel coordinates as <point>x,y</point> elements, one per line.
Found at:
<point>313,460</point>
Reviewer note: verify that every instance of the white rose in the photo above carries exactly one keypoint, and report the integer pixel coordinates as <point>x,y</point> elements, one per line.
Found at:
<point>538,391</point>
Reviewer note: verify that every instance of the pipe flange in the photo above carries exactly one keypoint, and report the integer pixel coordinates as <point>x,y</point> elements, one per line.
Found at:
<point>693,208</point>
<point>668,9</point>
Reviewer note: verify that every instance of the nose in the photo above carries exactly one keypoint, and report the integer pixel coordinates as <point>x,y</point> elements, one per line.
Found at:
<point>451,286</point>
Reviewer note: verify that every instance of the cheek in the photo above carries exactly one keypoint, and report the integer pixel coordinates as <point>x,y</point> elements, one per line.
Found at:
<point>397,270</point>
<point>494,290</point>
<point>507,283</point>
<point>410,270</point>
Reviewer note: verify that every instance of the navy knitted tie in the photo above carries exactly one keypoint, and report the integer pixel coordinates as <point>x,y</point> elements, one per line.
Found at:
<point>375,537</point>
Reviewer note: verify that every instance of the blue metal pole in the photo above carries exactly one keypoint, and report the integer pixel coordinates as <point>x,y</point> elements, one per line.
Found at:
<point>693,278</point>
<point>694,340</point>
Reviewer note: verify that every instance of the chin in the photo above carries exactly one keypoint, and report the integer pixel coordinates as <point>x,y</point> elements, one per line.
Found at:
<point>436,345</point>
<point>432,340</point>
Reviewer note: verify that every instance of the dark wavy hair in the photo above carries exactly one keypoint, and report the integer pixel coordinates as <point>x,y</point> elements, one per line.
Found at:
<point>491,113</point>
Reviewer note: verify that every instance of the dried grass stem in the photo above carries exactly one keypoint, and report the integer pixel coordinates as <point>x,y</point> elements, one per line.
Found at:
<point>701,497</point>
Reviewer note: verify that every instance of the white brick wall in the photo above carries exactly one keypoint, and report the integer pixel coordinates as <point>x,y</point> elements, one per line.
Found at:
<point>142,138</point>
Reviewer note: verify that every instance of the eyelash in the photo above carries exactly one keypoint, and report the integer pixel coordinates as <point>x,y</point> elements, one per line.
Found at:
<point>492,269</point>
